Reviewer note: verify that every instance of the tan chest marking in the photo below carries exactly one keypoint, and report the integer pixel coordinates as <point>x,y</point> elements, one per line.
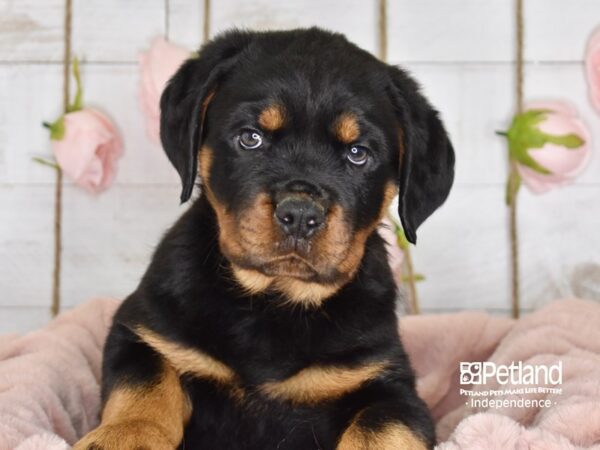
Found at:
<point>317,384</point>
<point>188,361</point>
<point>391,436</point>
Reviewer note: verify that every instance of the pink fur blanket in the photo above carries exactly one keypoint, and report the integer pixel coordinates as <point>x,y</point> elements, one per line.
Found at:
<point>49,393</point>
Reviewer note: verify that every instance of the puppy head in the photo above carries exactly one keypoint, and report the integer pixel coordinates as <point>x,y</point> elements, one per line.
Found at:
<point>301,141</point>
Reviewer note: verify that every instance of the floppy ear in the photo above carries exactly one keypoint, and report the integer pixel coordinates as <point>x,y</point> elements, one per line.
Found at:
<point>185,99</point>
<point>426,161</point>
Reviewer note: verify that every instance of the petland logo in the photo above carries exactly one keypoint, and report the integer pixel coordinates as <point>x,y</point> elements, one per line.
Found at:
<point>516,373</point>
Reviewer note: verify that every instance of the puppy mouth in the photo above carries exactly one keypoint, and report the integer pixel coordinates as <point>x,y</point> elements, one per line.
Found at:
<point>290,265</point>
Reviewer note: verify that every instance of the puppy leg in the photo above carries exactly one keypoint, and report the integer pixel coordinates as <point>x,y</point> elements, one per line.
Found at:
<point>396,423</point>
<point>146,407</point>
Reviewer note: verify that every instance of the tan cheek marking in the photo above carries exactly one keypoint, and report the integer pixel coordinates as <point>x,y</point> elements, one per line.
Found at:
<point>317,384</point>
<point>256,226</point>
<point>347,129</point>
<point>187,360</point>
<point>272,118</point>
<point>143,417</point>
<point>393,436</point>
<point>356,249</point>
<point>331,245</point>
<point>227,224</point>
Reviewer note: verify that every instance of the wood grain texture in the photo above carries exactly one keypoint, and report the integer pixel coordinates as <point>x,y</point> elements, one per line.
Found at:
<point>355,18</point>
<point>463,247</point>
<point>185,22</point>
<point>109,239</point>
<point>115,30</point>
<point>450,30</point>
<point>31,30</point>
<point>25,245</point>
<point>557,30</point>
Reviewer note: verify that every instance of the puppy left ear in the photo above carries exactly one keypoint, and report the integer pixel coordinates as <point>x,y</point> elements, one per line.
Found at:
<point>426,157</point>
<point>185,100</point>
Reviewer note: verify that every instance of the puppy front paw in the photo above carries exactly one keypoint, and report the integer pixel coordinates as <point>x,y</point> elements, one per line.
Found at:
<point>127,435</point>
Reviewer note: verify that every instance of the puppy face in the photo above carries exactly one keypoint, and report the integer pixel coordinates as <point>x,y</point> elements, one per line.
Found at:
<point>298,138</point>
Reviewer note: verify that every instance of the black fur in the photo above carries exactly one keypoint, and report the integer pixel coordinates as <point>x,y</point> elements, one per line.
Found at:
<point>188,293</point>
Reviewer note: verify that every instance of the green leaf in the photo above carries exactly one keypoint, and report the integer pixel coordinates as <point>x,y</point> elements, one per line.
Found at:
<point>77,104</point>
<point>57,129</point>
<point>570,141</point>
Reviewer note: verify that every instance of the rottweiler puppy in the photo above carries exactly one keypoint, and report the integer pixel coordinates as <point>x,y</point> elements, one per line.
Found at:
<point>266,319</point>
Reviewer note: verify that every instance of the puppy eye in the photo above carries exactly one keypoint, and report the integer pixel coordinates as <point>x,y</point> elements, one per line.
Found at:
<point>357,155</point>
<point>250,139</point>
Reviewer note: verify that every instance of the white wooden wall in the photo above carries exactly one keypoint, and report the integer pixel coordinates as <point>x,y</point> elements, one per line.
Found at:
<point>460,50</point>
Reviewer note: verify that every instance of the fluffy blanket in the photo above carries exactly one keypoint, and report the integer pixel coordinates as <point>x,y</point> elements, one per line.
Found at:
<point>49,392</point>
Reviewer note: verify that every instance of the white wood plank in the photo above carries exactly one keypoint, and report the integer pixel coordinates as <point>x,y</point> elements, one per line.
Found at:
<point>566,82</point>
<point>31,30</point>
<point>21,319</point>
<point>559,230</point>
<point>26,246</point>
<point>474,101</point>
<point>355,18</point>
<point>29,95</point>
<point>463,248</point>
<point>115,30</point>
<point>186,22</point>
<point>450,30</point>
<point>109,239</point>
<point>114,89</point>
<point>557,30</point>
<point>462,251</point>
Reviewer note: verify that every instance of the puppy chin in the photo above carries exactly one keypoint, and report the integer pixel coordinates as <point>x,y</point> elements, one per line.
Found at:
<point>252,281</point>
<point>294,290</point>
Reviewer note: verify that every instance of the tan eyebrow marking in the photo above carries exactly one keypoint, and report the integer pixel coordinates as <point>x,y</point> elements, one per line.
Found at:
<point>346,128</point>
<point>272,118</point>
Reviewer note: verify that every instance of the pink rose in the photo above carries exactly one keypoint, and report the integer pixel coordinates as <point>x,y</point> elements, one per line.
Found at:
<point>157,66</point>
<point>395,255</point>
<point>592,67</point>
<point>88,150</point>
<point>563,163</point>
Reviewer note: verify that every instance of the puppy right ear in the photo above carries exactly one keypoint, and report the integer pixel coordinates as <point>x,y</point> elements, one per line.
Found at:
<point>185,100</point>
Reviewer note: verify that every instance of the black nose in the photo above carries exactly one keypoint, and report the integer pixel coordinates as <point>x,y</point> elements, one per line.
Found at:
<point>299,217</point>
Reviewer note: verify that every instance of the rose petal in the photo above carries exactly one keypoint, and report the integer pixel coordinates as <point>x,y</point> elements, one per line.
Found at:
<point>157,65</point>
<point>592,68</point>
<point>88,151</point>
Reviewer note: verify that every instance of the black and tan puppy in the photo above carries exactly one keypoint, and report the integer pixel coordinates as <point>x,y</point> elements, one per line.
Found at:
<point>266,319</point>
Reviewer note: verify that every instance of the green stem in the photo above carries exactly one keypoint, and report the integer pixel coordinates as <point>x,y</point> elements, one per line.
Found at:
<point>45,162</point>
<point>78,101</point>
